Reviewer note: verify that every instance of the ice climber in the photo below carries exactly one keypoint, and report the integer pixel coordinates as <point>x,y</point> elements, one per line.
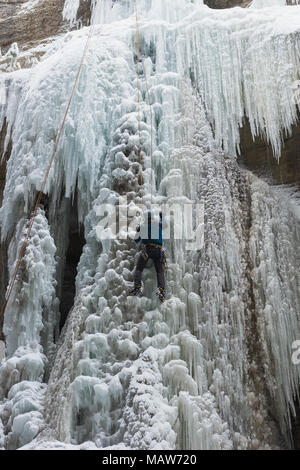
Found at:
<point>149,238</point>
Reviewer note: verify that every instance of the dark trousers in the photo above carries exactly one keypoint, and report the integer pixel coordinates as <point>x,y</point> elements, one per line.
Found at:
<point>158,256</point>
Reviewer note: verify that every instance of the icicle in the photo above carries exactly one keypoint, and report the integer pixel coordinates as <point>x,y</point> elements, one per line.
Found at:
<point>267,3</point>
<point>70,11</point>
<point>130,373</point>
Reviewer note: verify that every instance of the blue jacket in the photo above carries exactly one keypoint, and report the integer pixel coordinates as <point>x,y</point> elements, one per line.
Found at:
<point>151,232</point>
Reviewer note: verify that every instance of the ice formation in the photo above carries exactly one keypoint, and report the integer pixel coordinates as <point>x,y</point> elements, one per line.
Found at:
<point>211,368</point>
<point>267,3</point>
<point>29,331</point>
<point>70,10</point>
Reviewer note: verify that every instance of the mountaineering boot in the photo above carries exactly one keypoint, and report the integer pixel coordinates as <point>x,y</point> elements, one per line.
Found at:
<point>136,292</point>
<point>161,294</point>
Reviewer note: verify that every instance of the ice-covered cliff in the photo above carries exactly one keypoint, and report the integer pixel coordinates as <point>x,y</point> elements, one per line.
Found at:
<point>212,367</point>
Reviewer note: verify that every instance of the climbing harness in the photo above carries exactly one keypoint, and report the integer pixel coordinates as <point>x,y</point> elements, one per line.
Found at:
<point>40,195</point>
<point>162,254</point>
<point>156,245</point>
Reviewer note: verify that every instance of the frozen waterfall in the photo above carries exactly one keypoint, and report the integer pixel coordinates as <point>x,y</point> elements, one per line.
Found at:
<point>211,368</point>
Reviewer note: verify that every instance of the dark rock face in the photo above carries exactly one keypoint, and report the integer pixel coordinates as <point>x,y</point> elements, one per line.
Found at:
<point>30,26</point>
<point>258,157</point>
<point>9,8</point>
<point>227,3</point>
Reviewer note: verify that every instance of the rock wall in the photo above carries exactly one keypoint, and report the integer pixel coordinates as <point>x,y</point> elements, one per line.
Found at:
<point>32,25</point>
<point>258,157</point>
<point>227,3</point>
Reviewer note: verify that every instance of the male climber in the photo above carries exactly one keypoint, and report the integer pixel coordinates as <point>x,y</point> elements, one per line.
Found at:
<point>149,238</point>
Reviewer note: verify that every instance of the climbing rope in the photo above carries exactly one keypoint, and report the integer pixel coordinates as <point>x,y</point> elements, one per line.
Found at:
<point>137,42</point>
<point>151,130</point>
<point>40,195</point>
<point>137,54</point>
